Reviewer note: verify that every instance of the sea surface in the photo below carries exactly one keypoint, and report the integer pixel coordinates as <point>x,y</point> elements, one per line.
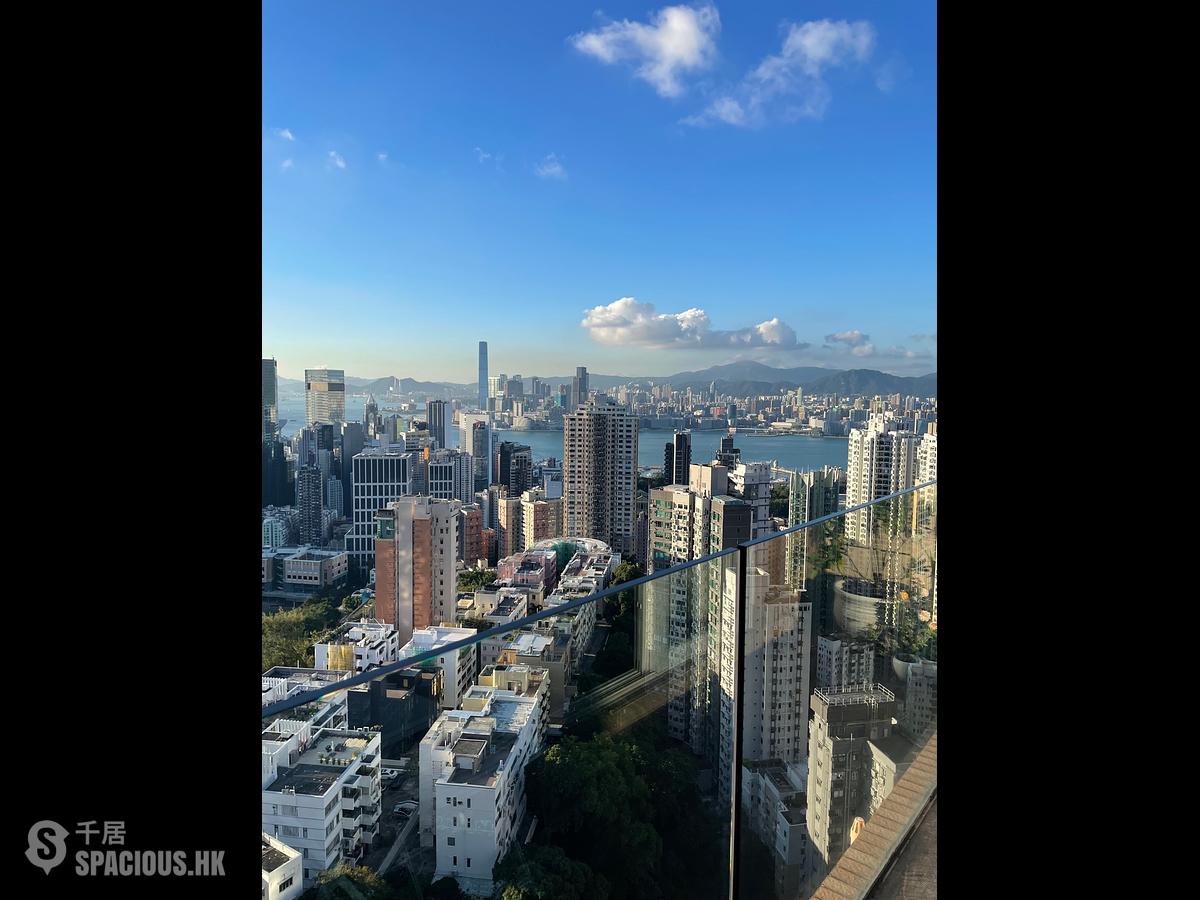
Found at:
<point>788,451</point>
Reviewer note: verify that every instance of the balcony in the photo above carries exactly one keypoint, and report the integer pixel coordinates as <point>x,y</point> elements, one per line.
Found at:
<point>675,720</point>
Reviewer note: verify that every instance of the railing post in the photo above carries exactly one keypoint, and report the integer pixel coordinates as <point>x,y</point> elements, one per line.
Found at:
<point>739,709</point>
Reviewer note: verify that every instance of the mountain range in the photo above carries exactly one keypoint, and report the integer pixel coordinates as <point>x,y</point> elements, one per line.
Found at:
<point>746,378</point>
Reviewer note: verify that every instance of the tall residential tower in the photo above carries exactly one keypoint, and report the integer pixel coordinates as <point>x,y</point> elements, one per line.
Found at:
<point>483,375</point>
<point>600,447</point>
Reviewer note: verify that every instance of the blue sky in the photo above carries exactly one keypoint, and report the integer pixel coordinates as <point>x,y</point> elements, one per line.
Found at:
<point>640,188</point>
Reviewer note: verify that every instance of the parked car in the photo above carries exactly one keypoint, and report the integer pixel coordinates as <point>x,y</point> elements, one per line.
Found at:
<point>405,809</point>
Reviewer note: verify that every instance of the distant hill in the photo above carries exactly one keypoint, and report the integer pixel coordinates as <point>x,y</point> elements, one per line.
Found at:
<point>380,386</point>
<point>869,382</point>
<point>746,378</point>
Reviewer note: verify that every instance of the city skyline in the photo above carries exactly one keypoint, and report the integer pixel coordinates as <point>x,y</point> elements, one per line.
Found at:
<point>643,191</point>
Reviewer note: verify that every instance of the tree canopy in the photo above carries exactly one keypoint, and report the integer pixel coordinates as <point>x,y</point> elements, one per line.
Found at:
<point>628,809</point>
<point>474,579</point>
<point>545,872</point>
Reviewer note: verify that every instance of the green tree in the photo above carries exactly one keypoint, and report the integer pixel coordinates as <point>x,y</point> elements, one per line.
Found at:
<point>345,882</point>
<point>540,872</point>
<point>779,500</point>
<point>475,579</point>
<point>649,483</point>
<point>590,800</point>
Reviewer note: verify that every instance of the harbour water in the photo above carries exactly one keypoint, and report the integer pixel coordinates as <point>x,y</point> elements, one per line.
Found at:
<point>789,451</point>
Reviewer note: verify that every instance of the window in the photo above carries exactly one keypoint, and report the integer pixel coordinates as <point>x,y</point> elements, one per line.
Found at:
<point>284,885</point>
<point>455,863</point>
<point>449,842</point>
<point>468,862</point>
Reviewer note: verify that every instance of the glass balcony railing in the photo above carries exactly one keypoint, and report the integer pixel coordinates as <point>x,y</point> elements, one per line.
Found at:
<point>760,722</point>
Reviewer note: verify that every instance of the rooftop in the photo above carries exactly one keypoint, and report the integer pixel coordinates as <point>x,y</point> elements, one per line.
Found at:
<point>491,762</point>
<point>859,693</point>
<point>273,858</point>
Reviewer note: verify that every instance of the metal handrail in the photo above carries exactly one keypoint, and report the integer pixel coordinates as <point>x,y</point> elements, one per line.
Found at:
<point>500,630</point>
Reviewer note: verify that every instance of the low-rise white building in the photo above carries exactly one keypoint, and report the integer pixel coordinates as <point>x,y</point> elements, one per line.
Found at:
<point>458,667</point>
<point>282,873</point>
<point>320,792</point>
<point>472,780</point>
<point>358,646</point>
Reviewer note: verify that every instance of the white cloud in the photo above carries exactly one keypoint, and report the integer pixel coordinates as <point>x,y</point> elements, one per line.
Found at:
<point>336,159</point>
<point>287,164</point>
<point>285,134</point>
<point>891,73</point>
<point>482,155</point>
<point>679,39</point>
<point>791,84</point>
<point>854,338</point>
<point>381,156</point>
<point>550,167</point>
<point>628,323</point>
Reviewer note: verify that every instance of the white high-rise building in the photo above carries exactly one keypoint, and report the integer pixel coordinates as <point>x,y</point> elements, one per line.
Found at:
<point>811,495</point>
<point>600,448</point>
<point>778,638</point>
<point>751,481</point>
<point>879,463</point>
<point>926,459</point>
<point>472,772</point>
<point>324,396</point>
<point>843,662</point>
<point>379,476</point>
<point>776,675</point>
<point>451,476</point>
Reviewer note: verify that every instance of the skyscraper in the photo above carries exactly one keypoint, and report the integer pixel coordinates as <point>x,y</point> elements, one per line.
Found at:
<point>677,458</point>
<point>579,387</point>
<point>878,463</point>
<point>475,437</point>
<point>483,375</point>
<point>436,410</point>
<point>381,475</point>
<point>512,465</point>
<point>352,444</point>
<point>416,545</point>
<point>324,396</point>
<point>270,398</point>
<point>600,474</point>
<point>309,495</point>
<point>450,475</point>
